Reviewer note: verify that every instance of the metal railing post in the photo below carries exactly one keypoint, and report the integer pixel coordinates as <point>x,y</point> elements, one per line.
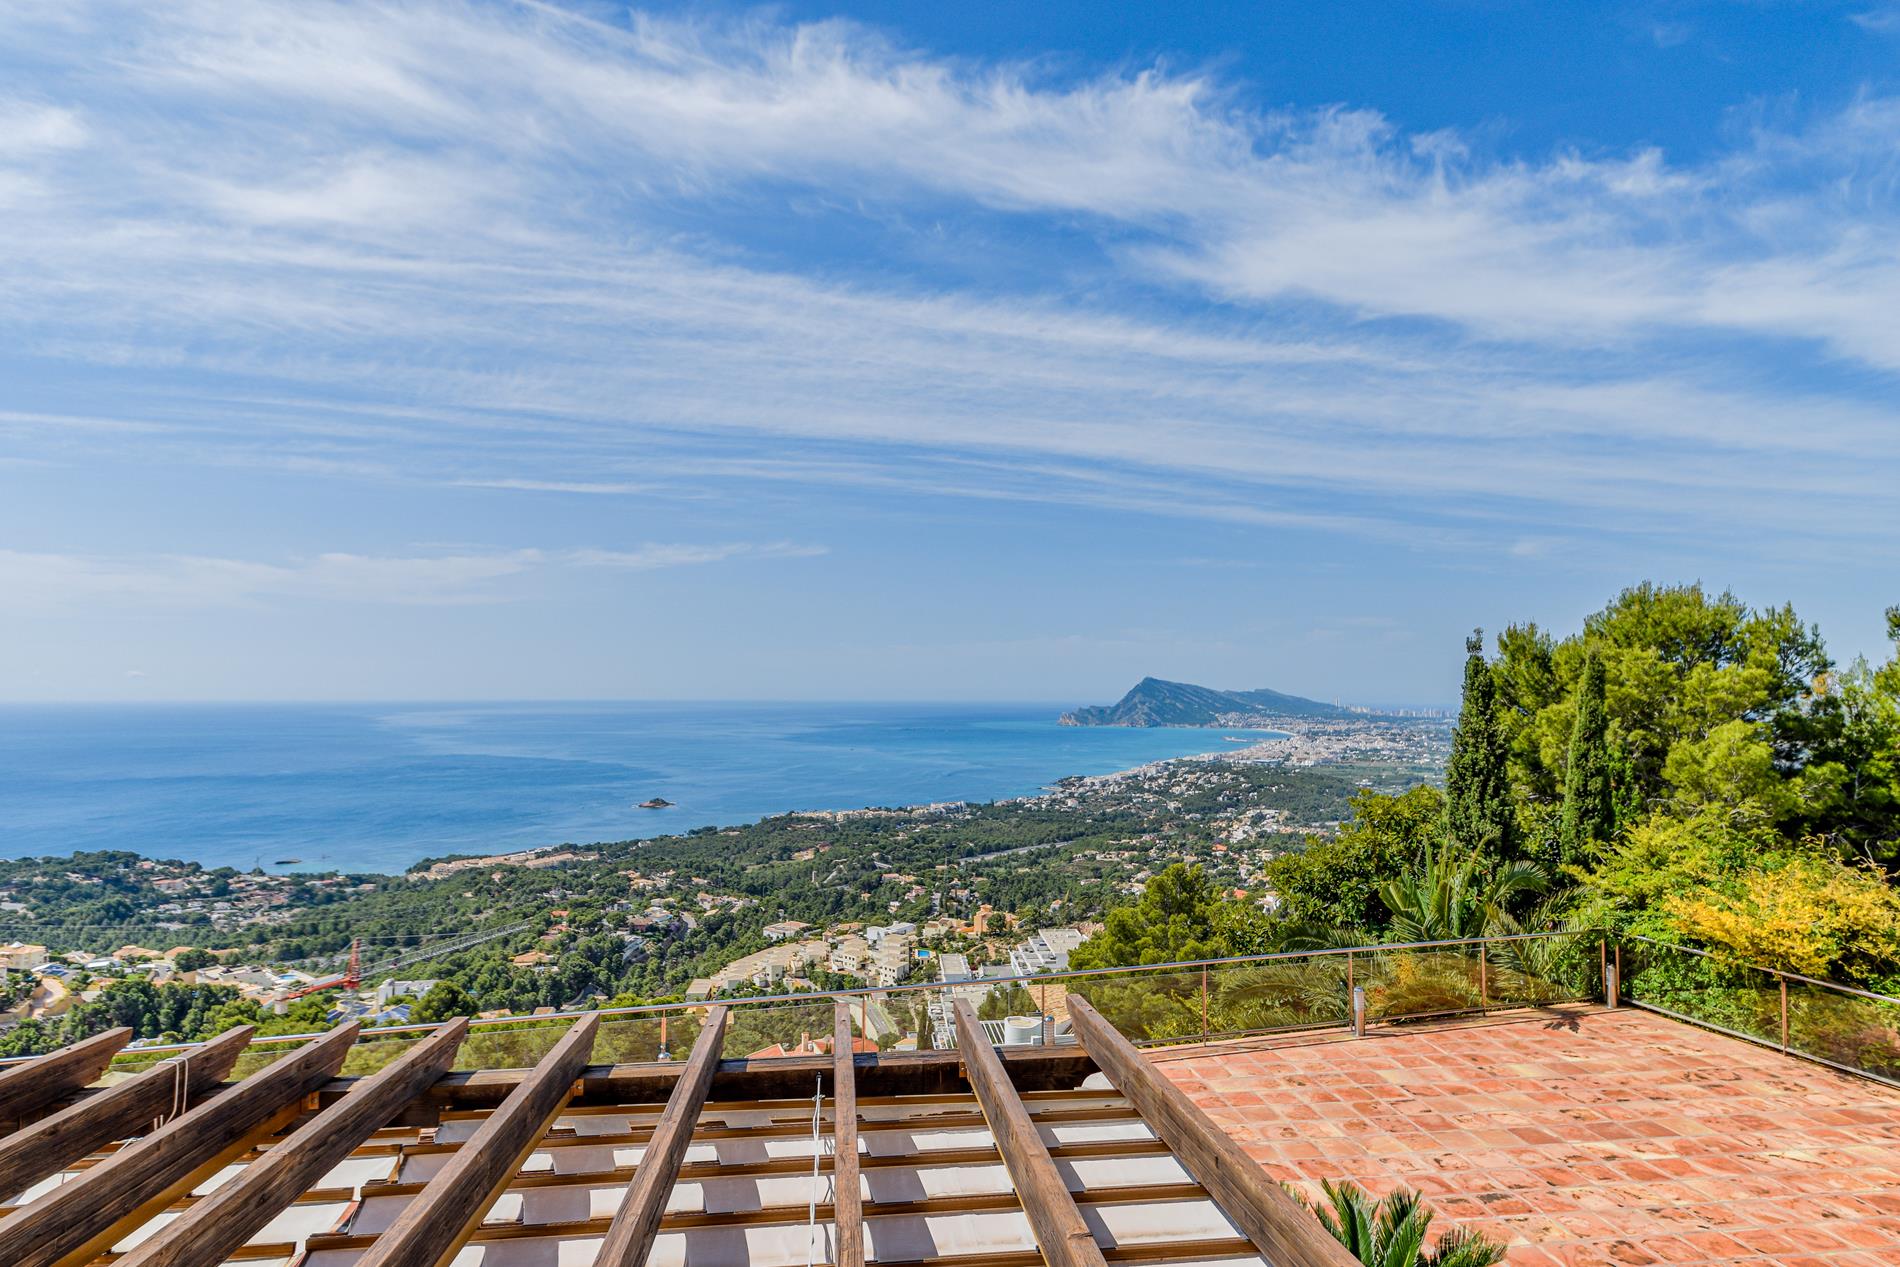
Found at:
<point>1048,1017</point>
<point>1350,985</point>
<point>1203,1003</point>
<point>1484,984</point>
<point>1359,1011</point>
<point>1784,1011</point>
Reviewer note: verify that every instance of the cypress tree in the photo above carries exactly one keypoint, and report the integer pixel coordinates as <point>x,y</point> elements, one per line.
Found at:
<point>1589,812</point>
<point>1478,810</point>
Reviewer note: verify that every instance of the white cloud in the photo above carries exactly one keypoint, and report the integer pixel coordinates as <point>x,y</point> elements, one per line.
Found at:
<point>450,234</point>
<point>28,127</point>
<point>1882,19</point>
<point>650,557</point>
<point>35,581</point>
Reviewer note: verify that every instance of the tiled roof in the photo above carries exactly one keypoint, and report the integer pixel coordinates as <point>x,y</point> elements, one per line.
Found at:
<point>1577,1136</point>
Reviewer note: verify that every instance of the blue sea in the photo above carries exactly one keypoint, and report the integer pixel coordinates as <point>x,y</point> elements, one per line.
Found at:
<point>374,788</point>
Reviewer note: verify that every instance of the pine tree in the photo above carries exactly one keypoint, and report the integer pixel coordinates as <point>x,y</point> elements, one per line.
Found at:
<point>1589,814</point>
<point>1478,811</point>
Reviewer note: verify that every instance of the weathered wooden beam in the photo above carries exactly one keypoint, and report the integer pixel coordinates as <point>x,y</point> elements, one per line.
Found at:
<point>36,1087</point>
<point>847,1220</point>
<point>781,1078</point>
<point>435,1225</point>
<point>631,1234</point>
<point>207,1233</point>
<point>51,1144</point>
<point>1285,1232</point>
<point>1061,1233</point>
<point>75,1221</point>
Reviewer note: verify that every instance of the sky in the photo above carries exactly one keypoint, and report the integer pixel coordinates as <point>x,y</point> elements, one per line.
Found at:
<point>986,351</point>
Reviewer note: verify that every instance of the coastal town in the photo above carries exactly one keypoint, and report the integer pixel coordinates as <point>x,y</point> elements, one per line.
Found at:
<point>948,894</point>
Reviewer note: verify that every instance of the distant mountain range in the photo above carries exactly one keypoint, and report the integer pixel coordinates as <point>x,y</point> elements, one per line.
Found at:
<point>1154,702</point>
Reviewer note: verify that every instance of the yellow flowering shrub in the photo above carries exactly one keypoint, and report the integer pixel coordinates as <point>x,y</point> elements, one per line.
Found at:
<point>1801,912</point>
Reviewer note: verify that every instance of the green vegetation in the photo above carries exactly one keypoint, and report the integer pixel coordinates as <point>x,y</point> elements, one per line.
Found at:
<point>1335,880</point>
<point>1684,768</point>
<point>1478,810</point>
<point>172,1013</point>
<point>1058,859</point>
<point>1392,1231</point>
<point>1589,810</point>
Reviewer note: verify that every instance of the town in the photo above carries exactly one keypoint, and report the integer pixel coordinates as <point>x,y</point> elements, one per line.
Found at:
<point>950,894</point>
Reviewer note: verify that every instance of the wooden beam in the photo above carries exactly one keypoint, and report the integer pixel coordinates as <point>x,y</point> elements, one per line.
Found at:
<point>1061,1232</point>
<point>847,1220</point>
<point>78,1220</point>
<point>1285,1231</point>
<point>781,1078</point>
<point>435,1225</point>
<point>53,1143</point>
<point>35,1087</point>
<point>207,1233</point>
<point>630,1236</point>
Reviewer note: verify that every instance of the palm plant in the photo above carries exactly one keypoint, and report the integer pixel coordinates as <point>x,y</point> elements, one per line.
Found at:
<point>1451,898</point>
<point>1391,1232</point>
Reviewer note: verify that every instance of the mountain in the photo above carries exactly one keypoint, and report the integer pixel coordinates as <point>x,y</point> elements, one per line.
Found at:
<point>1154,702</point>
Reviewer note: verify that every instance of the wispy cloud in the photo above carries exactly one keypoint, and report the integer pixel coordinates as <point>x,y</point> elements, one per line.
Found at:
<point>452,234</point>
<point>50,580</point>
<point>1884,18</point>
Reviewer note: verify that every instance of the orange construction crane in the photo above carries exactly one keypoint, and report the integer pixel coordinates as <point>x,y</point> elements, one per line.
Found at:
<point>350,980</point>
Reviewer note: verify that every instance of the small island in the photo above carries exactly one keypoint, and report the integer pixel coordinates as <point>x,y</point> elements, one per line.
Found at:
<point>658,802</point>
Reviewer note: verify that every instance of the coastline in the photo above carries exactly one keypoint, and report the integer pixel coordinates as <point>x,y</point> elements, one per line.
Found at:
<point>376,790</point>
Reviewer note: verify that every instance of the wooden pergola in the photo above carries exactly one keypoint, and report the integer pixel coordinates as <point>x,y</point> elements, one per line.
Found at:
<point>971,1158</point>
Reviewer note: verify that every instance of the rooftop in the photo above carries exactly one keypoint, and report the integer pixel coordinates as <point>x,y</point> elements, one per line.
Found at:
<point>1577,1135</point>
<point>1486,1078</point>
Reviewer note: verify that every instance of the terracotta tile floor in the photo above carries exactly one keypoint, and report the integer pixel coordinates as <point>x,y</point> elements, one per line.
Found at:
<point>1577,1137</point>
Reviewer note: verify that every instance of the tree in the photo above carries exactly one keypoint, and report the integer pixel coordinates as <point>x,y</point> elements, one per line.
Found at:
<point>1449,897</point>
<point>192,959</point>
<point>1478,811</point>
<point>1176,920</point>
<point>1334,881</point>
<point>444,999</point>
<point>1391,1232</point>
<point>1852,778</point>
<point>1589,814</point>
<point>1799,911</point>
<point>1677,662</point>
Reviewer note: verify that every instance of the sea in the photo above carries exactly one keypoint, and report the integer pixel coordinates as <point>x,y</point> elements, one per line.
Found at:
<point>377,787</point>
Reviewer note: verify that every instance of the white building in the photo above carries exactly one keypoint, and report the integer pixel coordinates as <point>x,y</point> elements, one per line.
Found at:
<point>891,962</point>
<point>389,991</point>
<point>1046,951</point>
<point>849,955</point>
<point>20,956</point>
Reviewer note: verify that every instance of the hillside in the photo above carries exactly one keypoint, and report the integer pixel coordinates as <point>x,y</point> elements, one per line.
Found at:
<point>1153,702</point>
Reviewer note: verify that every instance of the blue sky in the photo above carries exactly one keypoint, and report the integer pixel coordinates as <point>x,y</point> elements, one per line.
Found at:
<point>897,350</point>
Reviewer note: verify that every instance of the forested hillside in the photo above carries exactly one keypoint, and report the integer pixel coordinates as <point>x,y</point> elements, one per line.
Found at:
<point>1683,767</point>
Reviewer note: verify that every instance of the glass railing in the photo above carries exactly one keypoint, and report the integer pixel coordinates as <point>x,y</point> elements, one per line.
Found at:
<point>1260,994</point>
<point>1154,1004</point>
<point>1849,1029</point>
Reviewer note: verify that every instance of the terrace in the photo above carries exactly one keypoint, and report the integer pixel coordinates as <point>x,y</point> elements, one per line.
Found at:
<point>1581,1102</point>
